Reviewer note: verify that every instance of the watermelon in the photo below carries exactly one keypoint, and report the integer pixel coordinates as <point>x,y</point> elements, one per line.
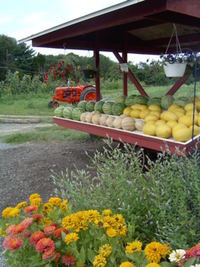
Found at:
<point>154,101</point>
<point>98,106</point>
<point>76,114</point>
<point>117,109</point>
<point>67,112</point>
<point>140,99</point>
<point>130,100</point>
<point>90,106</point>
<point>166,101</point>
<point>59,111</point>
<point>82,105</point>
<point>120,99</point>
<point>182,101</point>
<point>107,107</point>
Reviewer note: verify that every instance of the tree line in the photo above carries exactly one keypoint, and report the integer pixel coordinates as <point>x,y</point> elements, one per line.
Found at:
<point>23,59</point>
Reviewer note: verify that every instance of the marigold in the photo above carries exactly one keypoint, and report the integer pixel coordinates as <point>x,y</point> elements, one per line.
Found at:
<point>133,247</point>
<point>99,261</point>
<point>35,201</point>
<point>105,250</point>
<point>22,204</point>
<point>153,264</point>
<point>36,236</point>
<point>44,244</point>
<point>154,252</point>
<point>47,208</point>
<point>126,264</point>
<point>111,232</point>
<point>107,212</point>
<point>68,260</point>
<point>64,205</point>
<point>55,201</point>
<point>33,196</point>
<point>10,212</point>
<point>72,237</point>
<point>12,243</point>
<point>30,209</point>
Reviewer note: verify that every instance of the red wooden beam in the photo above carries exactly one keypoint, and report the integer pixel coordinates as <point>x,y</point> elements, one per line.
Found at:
<point>190,8</point>
<point>125,89</point>
<point>97,61</point>
<point>131,75</point>
<point>178,84</point>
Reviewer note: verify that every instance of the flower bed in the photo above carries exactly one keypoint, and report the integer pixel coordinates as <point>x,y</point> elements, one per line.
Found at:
<point>50,234</point>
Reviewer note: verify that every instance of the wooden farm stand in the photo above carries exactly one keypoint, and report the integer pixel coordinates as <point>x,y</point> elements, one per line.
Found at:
<point>134,26</point>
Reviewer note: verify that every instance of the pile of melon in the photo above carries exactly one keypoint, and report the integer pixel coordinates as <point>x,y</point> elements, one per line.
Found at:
<point>164,117</point>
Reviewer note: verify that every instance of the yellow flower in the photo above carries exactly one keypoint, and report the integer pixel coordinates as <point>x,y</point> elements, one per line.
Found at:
<point>107,212</point>
<point>35,195</point>
<point>63,205</point>
<point>2,233</point>
<point>126,264</point>
<point>92,215</point>
<point>46,221</point>
<point>72,237</point>
<point>154,252</point>
<point>105,250</point>
<point>166,250</point>
<point>134,247</point>
<point>99,261</point>
<point>111,232</point>
<point>47,208</point>
<point>10,212</point>
<point>153,265</point>
<point>35,201</point>
<point>55,201</point>
<point>21,205</point>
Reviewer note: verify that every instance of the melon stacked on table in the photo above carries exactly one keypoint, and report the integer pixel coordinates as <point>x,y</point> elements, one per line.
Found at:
<point>164,117</point>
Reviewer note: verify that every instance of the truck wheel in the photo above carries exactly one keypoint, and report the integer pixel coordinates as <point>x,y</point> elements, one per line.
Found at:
<point>53,104</point>
<point>89,94</point>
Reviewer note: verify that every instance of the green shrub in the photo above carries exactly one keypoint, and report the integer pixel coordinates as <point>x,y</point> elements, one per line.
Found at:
<point>160,202</point>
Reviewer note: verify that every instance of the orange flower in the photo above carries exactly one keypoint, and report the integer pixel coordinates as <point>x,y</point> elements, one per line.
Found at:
<point>49,253</point>
<point>30,209</point>
<point>18,229</point>
<point>58,232</point>
<point>37,217</point>
<point>45,244</point>
<point>35,237</point>
<point>12,243</point>
<point>49,230</point>
<point>68,260</point>
<point>10,229</point>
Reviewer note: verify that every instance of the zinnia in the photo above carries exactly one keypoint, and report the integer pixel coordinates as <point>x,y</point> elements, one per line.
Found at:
<point>134,247</point>
<point>44,244</point>
<point>12,243</point>
<point>126,264</point>
<point>68,260</point>
<point>36,236</point>
<point>30,209</point>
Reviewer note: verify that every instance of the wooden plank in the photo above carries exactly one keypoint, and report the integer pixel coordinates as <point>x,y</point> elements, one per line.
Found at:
<point>131,76</point>
<point>136,138</point>
<point>177,85</point>
<point>190,8</point>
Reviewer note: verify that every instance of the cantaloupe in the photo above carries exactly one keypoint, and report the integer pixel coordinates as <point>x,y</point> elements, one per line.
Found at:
<point>128,124</point>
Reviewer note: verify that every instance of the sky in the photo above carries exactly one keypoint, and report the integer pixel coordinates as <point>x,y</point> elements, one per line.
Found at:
<point>23,18</point>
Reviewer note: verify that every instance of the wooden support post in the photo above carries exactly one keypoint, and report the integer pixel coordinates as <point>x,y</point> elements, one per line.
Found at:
<point>177,85</point>
<point>97,61</point>
<point>131,76</point>
<point>125,89</point>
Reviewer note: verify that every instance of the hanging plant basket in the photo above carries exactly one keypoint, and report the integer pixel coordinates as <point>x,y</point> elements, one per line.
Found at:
<point>174,69</point>
<point>89,74</point>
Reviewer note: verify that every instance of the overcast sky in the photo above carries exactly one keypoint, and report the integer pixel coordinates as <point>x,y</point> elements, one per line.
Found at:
<point>22,18</point>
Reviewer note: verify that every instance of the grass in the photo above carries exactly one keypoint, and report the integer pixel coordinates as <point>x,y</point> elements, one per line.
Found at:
<point>46,134</point>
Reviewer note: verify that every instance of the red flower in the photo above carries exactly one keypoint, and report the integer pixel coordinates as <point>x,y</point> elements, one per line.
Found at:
<point>18,229</point>
<point>37,217</point>
<point>30,209</point>
<point>10,229</point>
<point>58,232</point>
<point>57,257</point>
<point>68,260</point>
<point>27,222</point>
<point>45,244</point>
<point>49,230</point>
<point>49,253</point>
<point>35,237</point>
<point>12,243</point>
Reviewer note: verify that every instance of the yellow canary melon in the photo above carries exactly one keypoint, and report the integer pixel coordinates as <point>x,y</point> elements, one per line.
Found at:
<point>187,120</point>
<point>149,129</point>
<point>197,105</point>
<point>196,130</point>
<point>182,134</point>
<point>171,123</point>
<point>135,106</point>
<point>164,131</point>
<point>159,122</point>
<point>179,112</point>
<point>178,126</point>
<point>155,108</point>
<point>173,107</point>
<point>127,111</point>
<point>188,107</point>
<point>155,113</point>
<point>190,113</point>
<point>151,118</point>
<point>144,113</point>
<point>128,124</point>
<point>135,113</point>
<point>169,116</point>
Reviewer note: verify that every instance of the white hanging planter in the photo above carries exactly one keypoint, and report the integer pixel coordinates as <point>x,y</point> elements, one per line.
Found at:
<point>174,69</point>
